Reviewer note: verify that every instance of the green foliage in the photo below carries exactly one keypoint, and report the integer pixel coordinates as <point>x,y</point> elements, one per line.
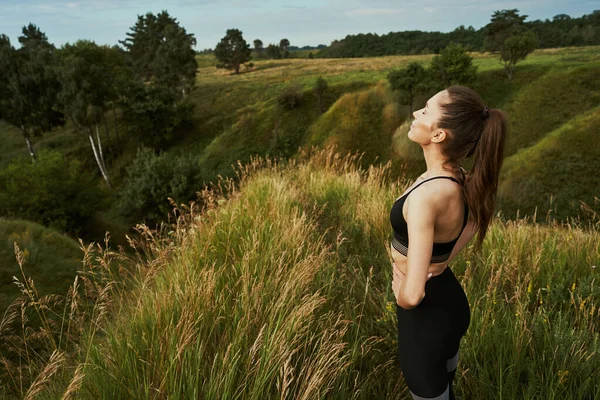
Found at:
<point>233,51</point>
<point>28,83</point>
<point>164,62</point>
<point>162,51</point>
<point>258,49</point>
<point>151,179</point>
<point>453,67</point>
<point>273,52</point>
<point>515,48</point>
<point>86,83</point>
<point>52,191</point>
<point>556,174</point>
<point>504,23</point>
<point>290,97</point>
<point>559,32</point>
<point>409,82</point>
<point>283,45</point>
<point>153,113</point>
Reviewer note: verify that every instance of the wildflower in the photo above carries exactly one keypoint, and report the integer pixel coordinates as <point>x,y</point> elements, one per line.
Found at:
<point>389,306</point>
<point>541,302</point>
<point>573,287</point>
<point>529,287</point>
<point>593,266</point>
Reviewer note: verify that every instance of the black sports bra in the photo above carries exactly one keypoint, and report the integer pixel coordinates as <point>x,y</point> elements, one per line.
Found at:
<point>441,251</point>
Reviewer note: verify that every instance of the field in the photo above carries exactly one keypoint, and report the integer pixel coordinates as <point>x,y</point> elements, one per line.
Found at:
<point>281,288</point>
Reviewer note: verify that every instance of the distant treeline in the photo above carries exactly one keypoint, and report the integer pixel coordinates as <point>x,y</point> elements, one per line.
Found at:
<point>561,31</point>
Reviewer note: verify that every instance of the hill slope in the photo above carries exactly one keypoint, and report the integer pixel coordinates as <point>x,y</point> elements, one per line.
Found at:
<point>284,289</point>
<point>52,258</point>
<point>557,172</point>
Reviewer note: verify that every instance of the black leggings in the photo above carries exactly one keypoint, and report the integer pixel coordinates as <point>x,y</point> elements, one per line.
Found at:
<point>429,337</point>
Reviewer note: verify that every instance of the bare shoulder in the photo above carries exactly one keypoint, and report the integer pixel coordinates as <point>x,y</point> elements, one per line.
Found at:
<point>431,197</point>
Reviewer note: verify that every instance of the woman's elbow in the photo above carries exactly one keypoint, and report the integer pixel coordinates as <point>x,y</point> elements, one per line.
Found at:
<point>410,300</point>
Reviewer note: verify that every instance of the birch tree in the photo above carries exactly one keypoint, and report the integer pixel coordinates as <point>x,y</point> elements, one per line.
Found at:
<point>86,93</point>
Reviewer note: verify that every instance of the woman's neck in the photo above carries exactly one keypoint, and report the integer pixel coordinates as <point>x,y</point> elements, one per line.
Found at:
<point>436,164</point>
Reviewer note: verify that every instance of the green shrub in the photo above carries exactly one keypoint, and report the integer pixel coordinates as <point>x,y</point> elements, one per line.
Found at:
<point>289,98</point>
<point>150,180</point>
<point>53,191</point>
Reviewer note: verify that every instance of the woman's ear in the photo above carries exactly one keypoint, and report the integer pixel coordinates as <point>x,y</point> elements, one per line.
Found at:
<point>439,136</point>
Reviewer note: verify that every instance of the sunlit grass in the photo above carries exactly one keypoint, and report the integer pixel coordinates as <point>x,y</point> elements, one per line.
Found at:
<point>282,290</point>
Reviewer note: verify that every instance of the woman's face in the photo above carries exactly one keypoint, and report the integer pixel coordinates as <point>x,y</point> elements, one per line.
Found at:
<point>423,128</point>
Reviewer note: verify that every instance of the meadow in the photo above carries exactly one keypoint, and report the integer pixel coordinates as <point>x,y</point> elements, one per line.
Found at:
<point>280,286</point>
<point>281,289</point>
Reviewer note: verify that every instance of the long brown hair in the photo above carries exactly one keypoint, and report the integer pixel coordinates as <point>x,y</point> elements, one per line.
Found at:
<point>470,132</point>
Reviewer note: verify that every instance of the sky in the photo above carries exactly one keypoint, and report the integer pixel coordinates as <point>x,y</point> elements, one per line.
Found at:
<point>307,22</point>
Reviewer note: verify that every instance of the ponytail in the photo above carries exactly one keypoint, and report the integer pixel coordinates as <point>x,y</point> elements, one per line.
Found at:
<point>481,184</point>
<point>478,131</point>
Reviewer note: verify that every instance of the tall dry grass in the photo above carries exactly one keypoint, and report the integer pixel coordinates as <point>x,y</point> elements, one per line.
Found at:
<point>281,289</point>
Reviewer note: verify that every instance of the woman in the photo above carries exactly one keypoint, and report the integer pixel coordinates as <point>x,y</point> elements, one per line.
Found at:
<point>440,213</point>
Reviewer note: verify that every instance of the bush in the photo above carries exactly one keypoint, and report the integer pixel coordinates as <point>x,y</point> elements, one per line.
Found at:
<point>150,180</point>
<point>289,98</point>
<point>53,191</point>
<point>320,90</point>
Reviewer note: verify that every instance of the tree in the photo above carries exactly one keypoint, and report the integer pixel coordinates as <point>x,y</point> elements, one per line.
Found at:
<point>273,52</point>
<point>453,66</point>
<point>504,23</point>
<point>232,51</point>
<point>516,48</point>
<point>86,92</point>
<point>161,51</point>
<point>28,85</point>
<point>258,47</point>
<point>283,45</point>
<point>152,113</point>
<point>409,82</point>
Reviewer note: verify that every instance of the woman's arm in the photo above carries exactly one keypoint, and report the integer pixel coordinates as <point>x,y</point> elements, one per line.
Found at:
<point>421,216</point>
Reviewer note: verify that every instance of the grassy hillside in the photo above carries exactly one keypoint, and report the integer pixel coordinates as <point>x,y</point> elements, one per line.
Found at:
<point>365,120</point>
<point>52,258</point>
<point>237,116</point>
<point>283,290</point>
<point>550,101</point>
<point>557,172</point>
